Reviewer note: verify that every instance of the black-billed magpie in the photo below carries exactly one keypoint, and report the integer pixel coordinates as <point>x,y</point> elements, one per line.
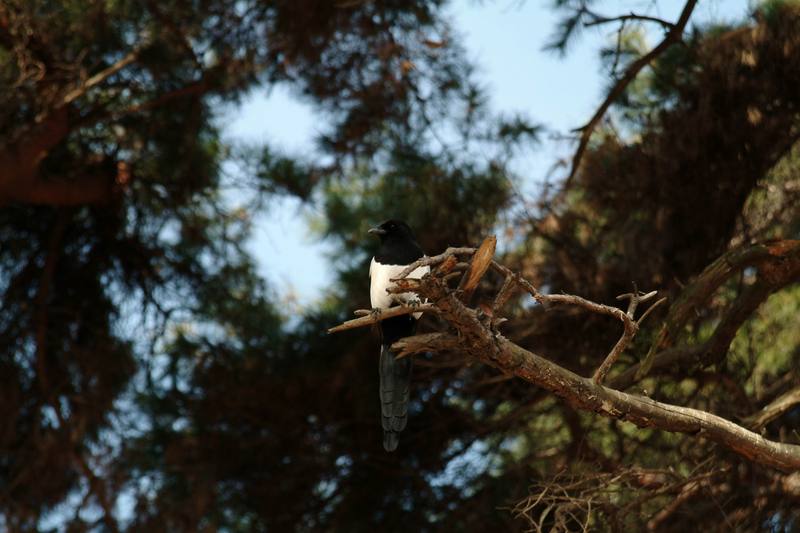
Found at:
<point>398,249</point>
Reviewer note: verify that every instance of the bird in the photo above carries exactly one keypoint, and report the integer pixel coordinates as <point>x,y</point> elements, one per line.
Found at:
<point>397,250</point>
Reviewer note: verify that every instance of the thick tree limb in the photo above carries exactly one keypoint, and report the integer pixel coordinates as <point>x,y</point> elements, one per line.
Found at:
<point>778,265</point>
<point>19,162</point>
<point>42,315</point>
<point>477,337</point>
<point>92,190</point>
<point>583,393</point>
<point>20,178</point>
<point>674,35</point>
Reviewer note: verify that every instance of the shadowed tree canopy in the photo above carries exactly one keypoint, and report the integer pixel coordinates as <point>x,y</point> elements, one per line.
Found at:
<point>151,381</point>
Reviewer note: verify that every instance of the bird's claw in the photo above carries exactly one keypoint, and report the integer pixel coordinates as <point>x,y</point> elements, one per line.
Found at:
<point>375,313</point>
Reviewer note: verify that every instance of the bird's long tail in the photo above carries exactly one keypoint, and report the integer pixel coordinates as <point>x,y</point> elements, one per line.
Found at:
<point>395,382</point>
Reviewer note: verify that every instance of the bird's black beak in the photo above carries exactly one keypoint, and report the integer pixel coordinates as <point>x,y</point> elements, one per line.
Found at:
<point>377,231</point>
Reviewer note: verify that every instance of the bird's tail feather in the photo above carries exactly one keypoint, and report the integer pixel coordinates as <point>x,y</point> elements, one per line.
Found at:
<point>395,380</point>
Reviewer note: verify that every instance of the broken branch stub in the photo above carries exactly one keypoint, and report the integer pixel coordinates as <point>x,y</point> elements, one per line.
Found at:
<point>480,263</point>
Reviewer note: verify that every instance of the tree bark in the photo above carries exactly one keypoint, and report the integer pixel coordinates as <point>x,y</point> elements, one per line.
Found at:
<point>476,335</point>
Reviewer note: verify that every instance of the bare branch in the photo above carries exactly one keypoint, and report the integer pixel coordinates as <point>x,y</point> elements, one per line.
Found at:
<point>370,317</point>
<point>522,282</point>
<point>629,331</point>
<point>100,77</point>
<point>627,318</point>
<point>635,298</point>
<point>477,338</point>
<point>642,411</point>
<point>435,260</point>
<point>650,310</point>
<point>497,351</point>
<point>631,327</point>
<point>688,492</point>
<point>598,20</point>
<point>510,285</point>
<point>674,35</point>
<point>775,409</point>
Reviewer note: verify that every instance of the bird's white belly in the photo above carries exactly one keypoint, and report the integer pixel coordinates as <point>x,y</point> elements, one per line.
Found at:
<point>380,276</point>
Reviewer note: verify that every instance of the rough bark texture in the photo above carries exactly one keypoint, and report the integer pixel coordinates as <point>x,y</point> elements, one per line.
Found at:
<point>477,336</point>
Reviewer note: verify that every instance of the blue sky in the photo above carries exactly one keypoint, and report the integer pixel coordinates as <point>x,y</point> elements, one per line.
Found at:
<point>505,39</point>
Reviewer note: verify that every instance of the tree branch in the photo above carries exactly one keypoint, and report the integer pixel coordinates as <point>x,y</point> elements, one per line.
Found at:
<point>478,338</point>
<point>435,260</point>
<point>370,317</point>
<point>630,325</point>
<point>598,20</point>
<point>775,409</point>
<point>95,189</point>
<point>42,300</point>
<point>583,393</point>
<point>674,35</point>
<point>100,77</point>
<point>779,265</point>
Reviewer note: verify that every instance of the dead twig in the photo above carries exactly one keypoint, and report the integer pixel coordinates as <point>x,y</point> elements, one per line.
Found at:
<point>368,317</point>
<point>435,260</point>
<point>598,20</point>
<point>674,35</point>
<point>100,77</point>
<point>630,325</point>
<point>510,285</point>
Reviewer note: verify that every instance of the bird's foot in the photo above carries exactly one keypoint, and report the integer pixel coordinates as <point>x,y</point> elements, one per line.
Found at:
<point>413,303</point>
<point>375,313</point>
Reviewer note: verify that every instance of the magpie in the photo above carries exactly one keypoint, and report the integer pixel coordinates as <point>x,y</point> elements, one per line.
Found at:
<point>398,249</point>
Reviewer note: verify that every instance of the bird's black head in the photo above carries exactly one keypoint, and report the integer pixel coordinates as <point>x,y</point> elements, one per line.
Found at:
<point>392,230</point>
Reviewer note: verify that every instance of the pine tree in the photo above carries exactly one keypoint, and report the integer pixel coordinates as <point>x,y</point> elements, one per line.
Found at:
<point>152,381</point>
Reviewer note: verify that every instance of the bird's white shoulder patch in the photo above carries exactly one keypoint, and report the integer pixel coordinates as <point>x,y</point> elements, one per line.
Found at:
<point>380,276</point>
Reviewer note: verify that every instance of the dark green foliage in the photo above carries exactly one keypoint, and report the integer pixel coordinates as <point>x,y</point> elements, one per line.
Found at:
<point>144,364</point>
